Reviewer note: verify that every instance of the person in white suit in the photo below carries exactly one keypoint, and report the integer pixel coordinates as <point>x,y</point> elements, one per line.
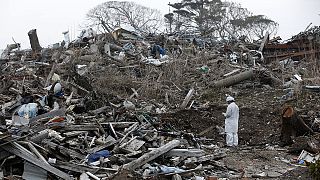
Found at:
<point>231,122</point>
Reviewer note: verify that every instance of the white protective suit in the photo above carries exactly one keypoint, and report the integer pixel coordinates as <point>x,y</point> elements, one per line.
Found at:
<point>231,124</point>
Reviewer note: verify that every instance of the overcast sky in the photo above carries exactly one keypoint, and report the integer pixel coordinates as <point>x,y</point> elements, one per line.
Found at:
<point>51,18</point>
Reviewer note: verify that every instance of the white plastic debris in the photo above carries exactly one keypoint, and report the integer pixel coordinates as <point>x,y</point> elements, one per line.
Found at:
<point>308,157</point>
<point>155,62</point>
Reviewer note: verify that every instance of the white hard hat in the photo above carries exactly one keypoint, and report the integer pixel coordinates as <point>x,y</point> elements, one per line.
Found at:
<point>229,98</point>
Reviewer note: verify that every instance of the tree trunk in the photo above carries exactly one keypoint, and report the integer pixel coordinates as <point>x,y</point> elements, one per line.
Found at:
<point>234,79</point>
<point>34,42</point>
<point>292,127</point>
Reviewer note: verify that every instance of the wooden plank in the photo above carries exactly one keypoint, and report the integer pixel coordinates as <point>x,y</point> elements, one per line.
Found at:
<point>64,150</point>
<point>36,152</point>
<point>50,75</point>
<point>99,126</point>
<point>80,168</point>
<point>151,155</point>
<point>87,127</point>
<point>232,72</point>
<point>206,130</point>
<point>135,93</point>
<point>183,152</point>
<point>187,99</point>
<point>99,110</point>
<point>20,151</point>
<point>133,144</point>
<point>51,114</point>
<point>113,131</point>
<point>79,87</point>
<point>108,142</point>
<point>73,133</point>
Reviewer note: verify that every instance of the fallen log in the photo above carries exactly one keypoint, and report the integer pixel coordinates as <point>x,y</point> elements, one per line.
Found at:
<point>151,155</point>
<point>234,79</point>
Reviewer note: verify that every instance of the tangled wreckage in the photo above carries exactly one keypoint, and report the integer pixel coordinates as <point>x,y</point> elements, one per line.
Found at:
<point>124,106</point>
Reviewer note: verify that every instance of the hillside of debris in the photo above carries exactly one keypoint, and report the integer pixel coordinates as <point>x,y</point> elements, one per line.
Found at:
<point>132,107</point>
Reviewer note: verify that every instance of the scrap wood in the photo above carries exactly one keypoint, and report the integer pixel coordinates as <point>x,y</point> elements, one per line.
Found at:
<point>100,110</point>
<point>22,152</point>
<point>63,150</point>
<point>187,99</point>
<point>232,72</point>
<point>51,114</point>
<point>128,132</point>
<point>99,126</point>
<point>54,66</point>
<point>78,87</point>
<point>183,152</point>
<point>82,127</point>
<point>113,131</point>
<point>75,167</point>
<point>117,125</point>
<point>198,168</point>
<point>35,151</point>
<point>151,155</point>
<point>135,93</point>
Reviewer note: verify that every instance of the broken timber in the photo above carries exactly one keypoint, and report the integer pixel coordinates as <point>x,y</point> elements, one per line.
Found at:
<point>151,155</point>
<point>22,152</point>
<point>183,152</point>
<point>234,79</point>
<point>187,99</point>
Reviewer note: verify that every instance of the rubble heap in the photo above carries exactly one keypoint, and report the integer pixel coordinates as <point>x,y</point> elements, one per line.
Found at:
<point>135,107</point>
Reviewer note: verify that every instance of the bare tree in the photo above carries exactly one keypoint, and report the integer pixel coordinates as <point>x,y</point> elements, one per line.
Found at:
<point>213,17</point>
<point>197,15</point>
<point>112,14</point>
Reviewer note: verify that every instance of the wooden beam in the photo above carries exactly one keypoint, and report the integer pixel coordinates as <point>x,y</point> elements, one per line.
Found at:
<point>187,99</point>
<point>99,110</point>
<point>80,168</point>
<point>37,153</point>
<point>183,152</point>
<point>87,127</point>
<point>22,152</point>
<point>53,68</point>
<point>64,150</point>
<point>51,114</point>
<point>151,155</point>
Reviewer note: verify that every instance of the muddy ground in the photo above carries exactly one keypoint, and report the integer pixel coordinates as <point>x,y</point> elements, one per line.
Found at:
<point>259,153</point>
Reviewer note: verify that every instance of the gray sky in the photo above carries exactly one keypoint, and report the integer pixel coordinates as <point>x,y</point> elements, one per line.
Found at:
<point>51,18</point>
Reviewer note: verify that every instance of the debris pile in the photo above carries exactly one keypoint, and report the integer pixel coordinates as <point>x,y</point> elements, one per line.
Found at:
<point>124,106</point>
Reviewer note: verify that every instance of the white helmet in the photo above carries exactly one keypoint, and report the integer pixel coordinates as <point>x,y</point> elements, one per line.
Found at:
<point>229,98</point>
